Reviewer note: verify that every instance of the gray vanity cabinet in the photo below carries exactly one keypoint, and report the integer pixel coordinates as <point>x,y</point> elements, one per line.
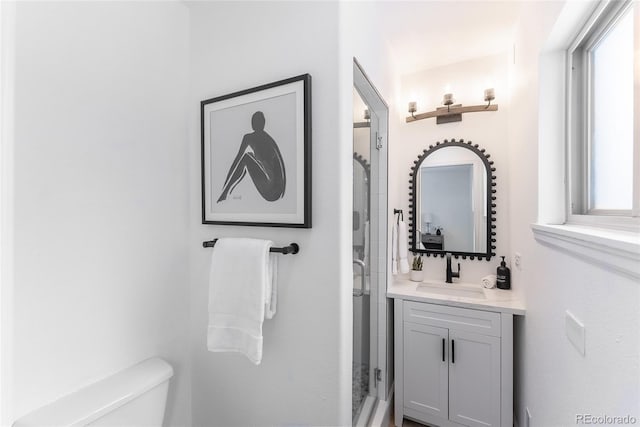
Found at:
<point>474,379</point>
<point>426,389</point>
<point>452,365</point>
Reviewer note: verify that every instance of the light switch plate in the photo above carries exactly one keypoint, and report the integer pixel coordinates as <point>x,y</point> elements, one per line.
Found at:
<point>574,329</point>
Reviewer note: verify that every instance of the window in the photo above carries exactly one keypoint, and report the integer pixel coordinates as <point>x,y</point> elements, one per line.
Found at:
<point>594,216</point>
<point>603,118</point>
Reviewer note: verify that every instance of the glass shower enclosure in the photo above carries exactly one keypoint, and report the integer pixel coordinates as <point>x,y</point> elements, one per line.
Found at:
<point>369,233</point>
<point>361,225</point>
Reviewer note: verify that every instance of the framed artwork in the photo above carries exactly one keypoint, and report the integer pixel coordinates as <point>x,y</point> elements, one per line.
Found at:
<point>256,156</point>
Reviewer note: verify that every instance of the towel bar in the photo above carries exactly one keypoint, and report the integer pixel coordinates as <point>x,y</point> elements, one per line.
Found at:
<point>292,248</point>
<point>400,216</point>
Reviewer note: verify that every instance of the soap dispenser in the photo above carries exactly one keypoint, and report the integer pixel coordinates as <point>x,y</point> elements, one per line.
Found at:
<point>503,274</point>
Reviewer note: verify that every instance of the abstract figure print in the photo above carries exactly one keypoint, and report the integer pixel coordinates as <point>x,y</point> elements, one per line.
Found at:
<point>260,158</point>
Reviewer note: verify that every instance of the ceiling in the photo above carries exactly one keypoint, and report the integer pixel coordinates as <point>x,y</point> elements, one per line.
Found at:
<point>427,34</point>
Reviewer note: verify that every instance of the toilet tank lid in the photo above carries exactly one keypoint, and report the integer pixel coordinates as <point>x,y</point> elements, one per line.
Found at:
<point>95,400</point>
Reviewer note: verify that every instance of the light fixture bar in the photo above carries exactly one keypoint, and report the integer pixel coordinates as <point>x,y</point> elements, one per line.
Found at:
<point>457,109</point>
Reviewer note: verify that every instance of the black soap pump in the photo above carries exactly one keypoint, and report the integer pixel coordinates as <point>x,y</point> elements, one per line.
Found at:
<point>503,274</point>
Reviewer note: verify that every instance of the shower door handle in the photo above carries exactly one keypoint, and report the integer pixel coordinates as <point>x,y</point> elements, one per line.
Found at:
<point>360,292</point>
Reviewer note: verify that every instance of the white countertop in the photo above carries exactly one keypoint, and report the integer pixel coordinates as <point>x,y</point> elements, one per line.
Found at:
<point>497,300</point>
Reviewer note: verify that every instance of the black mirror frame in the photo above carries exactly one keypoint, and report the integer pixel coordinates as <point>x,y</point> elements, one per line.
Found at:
<point>491,201</point>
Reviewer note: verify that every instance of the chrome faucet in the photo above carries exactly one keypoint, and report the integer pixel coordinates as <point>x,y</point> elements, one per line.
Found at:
<point>451,274</point>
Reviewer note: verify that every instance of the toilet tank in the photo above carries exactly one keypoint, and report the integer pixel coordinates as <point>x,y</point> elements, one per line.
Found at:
<point>135,396</point>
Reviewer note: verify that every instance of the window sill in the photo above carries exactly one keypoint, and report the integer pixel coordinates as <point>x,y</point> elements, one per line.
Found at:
<point>618,251</point>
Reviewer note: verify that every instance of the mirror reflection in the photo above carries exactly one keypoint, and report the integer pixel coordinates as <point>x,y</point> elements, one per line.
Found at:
<point>361,177</point>
<point>451,202</point>
<point>360,204</point>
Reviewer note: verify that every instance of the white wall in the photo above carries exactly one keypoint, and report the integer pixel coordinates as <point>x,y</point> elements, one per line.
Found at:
<point>553,380</point>
<point>99,196</point>
<point>304,377</point>
<point>7,21</point>
<point>467,81</point>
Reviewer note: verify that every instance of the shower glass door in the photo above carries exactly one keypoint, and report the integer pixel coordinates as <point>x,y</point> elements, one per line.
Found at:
<point>364,283</point>
<point>372,338</point>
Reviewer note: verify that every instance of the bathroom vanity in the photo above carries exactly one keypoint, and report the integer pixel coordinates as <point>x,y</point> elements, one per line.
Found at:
<point>453,353</point>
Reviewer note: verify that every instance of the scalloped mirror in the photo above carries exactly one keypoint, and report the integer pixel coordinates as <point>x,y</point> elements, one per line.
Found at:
<point>453,201</point>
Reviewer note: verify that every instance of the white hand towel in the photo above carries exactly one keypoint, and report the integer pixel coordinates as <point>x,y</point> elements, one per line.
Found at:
<point>489,281</point>
<point>242,293</point>
<point>394,249</point>
<point>403,242</point>
<point>271,301</point>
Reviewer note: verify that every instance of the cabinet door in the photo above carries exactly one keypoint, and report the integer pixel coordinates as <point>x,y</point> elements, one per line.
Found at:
<point>425,369</point>
<point>474,379</point>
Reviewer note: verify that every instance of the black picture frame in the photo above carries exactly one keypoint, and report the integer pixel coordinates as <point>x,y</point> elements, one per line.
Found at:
<point>256,156</point>
<point>490,202</point>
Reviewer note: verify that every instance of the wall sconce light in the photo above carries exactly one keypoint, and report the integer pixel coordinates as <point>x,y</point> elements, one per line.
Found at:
<point>448,101</point>
<point>413,107</point>
<point>489,95</point>
<point>452,112</point>
<point>366,123</point>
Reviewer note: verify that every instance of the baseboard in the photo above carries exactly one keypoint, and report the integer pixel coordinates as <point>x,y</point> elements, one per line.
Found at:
<point>382,415</point>
<point>368,407</point>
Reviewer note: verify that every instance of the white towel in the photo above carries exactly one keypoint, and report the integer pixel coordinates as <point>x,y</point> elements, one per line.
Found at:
<point>242,293</point>
<point>394,249</point>
<point>489,281</point>
<point>403,242</point>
